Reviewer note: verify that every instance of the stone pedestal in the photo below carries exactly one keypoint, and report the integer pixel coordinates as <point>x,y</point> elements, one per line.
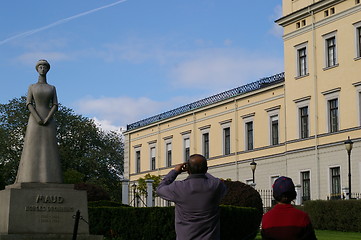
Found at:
<point>42,211</point>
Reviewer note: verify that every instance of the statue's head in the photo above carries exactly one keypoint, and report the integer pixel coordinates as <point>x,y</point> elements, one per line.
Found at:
<point>42,62</point>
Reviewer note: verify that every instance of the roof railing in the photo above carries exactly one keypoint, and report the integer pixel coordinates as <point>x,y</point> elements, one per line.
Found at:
<point>262,83</point>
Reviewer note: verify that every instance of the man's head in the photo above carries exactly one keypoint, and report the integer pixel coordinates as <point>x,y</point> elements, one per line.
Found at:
<point>284,190</point>
<point>197,164</point>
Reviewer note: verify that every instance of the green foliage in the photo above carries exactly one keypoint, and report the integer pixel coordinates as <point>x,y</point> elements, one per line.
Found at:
<point>72,176</point>
<point>243,195</point>
<point>106,203</point>
<point>338,215</point>
<point>94,192</point>
<point>123,223</point>
<point>87,153</point>
<point>142,185</point>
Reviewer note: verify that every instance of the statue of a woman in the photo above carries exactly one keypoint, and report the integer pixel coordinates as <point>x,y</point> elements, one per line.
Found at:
<point>40,161</point>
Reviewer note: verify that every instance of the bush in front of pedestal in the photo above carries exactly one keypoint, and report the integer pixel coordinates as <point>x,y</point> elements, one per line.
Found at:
<point>124,223</point>
<point>337,215</point>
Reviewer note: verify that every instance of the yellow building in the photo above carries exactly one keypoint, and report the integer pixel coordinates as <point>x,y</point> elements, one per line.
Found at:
<point>293,123</point>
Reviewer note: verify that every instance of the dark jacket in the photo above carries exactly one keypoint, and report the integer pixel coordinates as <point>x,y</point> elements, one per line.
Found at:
<point>196,201</point>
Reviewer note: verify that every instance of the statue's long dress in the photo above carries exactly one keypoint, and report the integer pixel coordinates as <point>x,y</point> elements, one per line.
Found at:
<point>40,161</point>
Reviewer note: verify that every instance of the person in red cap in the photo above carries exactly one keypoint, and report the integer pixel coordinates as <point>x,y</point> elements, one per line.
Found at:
<point>283,221</point>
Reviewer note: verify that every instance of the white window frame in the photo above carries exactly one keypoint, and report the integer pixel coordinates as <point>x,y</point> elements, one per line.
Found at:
<point>330,178</point>
<point>272,113</point>
<point>331,95</point>
<point>152,151</point>
<point>301,103</point>
<point>301,182</point>
<point>205,130</point>
<point>357,27</point>
<point>246,119</point>
<point>224,125</point>
<point>186,138</point>
<point>168,142</point>
<point>326,37</point>
<point>298,69</point>
<point>358,100</point>
<point>136,149</point>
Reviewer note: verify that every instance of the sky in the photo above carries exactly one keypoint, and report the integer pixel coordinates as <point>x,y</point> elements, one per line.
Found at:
<point>118,62</point>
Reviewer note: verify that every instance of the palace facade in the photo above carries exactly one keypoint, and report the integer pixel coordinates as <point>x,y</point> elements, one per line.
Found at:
<point>293,123</point>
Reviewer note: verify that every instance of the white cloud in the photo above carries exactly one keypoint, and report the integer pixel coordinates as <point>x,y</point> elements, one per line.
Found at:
<point>107,125</point>
<point>223,69</point>
<point>116,113</point>
<point>119,111</point>
<point>32,57</point>
<point>276,29</point>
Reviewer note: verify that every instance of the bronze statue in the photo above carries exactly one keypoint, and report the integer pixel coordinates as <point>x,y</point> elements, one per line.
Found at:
<point>40,161</point>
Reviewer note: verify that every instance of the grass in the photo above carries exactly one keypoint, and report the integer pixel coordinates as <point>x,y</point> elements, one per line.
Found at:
<point>331,235</point>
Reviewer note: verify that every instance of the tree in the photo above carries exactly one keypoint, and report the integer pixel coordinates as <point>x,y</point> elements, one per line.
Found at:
<point>87,153</point>
<point>142,185</point>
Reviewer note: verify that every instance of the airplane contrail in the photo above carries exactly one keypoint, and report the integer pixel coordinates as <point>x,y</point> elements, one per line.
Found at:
<point>31,32</point>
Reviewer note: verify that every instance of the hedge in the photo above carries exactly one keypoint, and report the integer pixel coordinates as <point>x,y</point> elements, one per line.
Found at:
<point>124,223</point>
<point>337,215</point>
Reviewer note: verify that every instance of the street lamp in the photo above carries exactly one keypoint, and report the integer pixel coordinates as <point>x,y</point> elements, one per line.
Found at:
<point>253,167</point>
<point>348,146</point>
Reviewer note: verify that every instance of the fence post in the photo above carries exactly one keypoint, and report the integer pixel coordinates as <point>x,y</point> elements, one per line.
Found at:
<point>299,195</point>
<point>125,191</point>
<point>345,192</point>
<point>149,192</point>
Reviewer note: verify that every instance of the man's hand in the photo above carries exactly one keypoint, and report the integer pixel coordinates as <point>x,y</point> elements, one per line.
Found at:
<point>182,167</point>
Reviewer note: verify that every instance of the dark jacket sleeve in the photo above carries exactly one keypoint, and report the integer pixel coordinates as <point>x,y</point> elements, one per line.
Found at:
<point>166,189</point>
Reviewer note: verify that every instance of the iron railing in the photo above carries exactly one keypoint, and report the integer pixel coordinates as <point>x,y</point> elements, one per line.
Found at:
<point>264,82</point>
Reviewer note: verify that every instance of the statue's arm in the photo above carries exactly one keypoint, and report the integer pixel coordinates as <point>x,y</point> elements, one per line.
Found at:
<point>53,109</point>
<point>29,105</point>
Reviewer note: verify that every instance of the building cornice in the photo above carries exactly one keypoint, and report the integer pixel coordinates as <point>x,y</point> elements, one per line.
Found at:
<point>306,12</point>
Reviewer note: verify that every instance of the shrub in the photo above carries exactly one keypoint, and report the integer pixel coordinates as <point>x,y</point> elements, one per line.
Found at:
<point>335,215</point>
<point>124,223</point>
<point>243,195</point>
<point>94,192</point>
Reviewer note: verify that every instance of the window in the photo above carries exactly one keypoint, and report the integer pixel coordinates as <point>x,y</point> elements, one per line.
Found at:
<point>205,144</point>
<point>226,136</point>
<point>274,130</point>
<point>358,32</point>
<point>358,39</point>
<point>226,140</point>
<point>303,113</point>
<point>137,161</point>
<point>249,135</point>
<point>186,145</point>
<point>186,149</point>
<point>301,58</point>
<point>331,97</point>
<point>273,114</point>
<point>333,115</point>
<point>331,51</point>
<point>168,156</point>
<point>152,158</point>
<point>302,62</point>
<point>306,187</point>
<point>335,183</point>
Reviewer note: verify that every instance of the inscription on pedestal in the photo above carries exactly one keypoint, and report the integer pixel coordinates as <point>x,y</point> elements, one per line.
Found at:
<point>43,201</point>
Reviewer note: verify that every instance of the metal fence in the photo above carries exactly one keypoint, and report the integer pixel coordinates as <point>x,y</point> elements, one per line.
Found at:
<point>267,199</point>
<point>140,199</point>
